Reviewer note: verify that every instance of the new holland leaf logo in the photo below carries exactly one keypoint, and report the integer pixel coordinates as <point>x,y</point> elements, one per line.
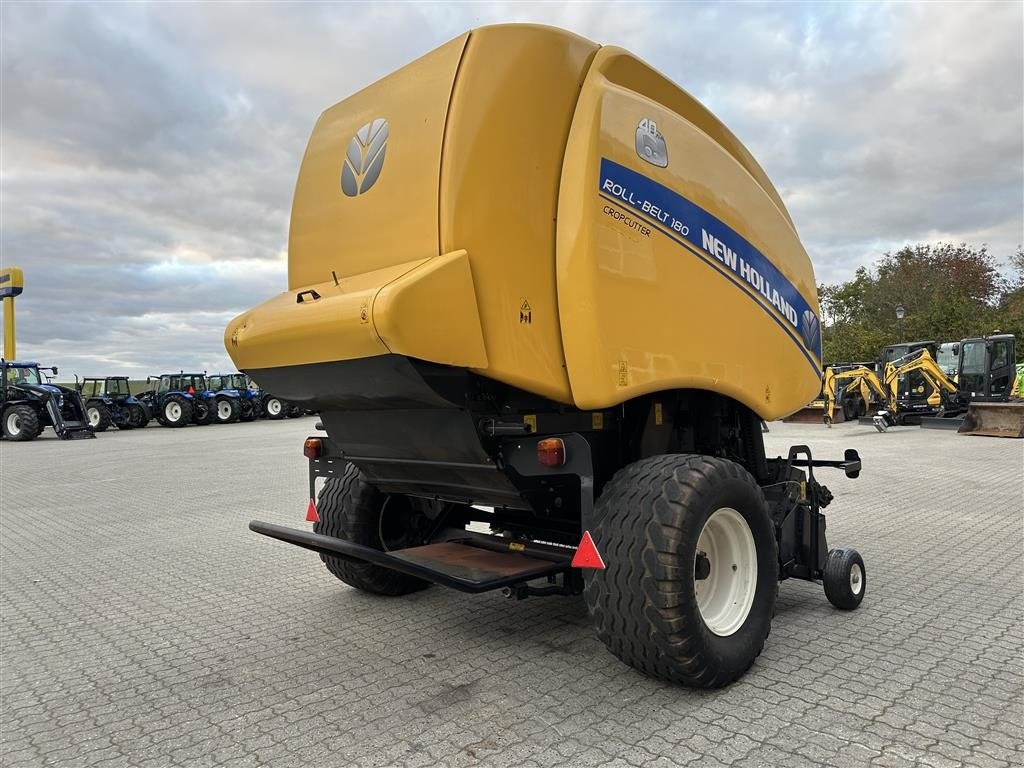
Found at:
<point>364,158</point>
<point>810,329</point>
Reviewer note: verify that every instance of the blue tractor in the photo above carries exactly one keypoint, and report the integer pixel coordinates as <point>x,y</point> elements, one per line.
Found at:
<point>28,405</point>
<point>180,399</point>
<point>109,402</point>
<point>236,388</point>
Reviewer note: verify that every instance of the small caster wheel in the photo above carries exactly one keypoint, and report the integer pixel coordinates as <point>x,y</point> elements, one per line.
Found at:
<point>844,578</point>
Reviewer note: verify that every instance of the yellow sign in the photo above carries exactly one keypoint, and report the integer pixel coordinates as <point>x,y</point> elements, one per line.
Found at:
<point>12,283</point>
<point>525,313</point>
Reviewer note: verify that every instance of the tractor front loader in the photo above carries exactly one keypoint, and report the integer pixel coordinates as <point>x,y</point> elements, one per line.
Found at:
<point>28,405</point>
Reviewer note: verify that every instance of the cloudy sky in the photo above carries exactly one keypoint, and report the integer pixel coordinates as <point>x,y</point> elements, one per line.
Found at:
<point>148,152</point>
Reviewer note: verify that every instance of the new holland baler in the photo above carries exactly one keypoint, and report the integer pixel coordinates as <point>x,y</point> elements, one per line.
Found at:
<point>534,284</point>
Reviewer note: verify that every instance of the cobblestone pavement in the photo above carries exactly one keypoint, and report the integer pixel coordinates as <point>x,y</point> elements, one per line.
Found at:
<point>143,625</point>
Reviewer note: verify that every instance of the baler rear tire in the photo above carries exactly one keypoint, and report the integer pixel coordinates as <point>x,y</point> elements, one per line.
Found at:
<point>644,605</point>
<point>350,508</point>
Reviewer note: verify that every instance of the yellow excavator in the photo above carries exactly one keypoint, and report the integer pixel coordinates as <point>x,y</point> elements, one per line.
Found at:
<point>978,401</point>
<point>864,379</point>
<point>855,378</point>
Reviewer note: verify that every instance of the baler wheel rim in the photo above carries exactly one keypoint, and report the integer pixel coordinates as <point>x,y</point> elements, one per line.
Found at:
<point>856,579</point>
<point>726,596</point>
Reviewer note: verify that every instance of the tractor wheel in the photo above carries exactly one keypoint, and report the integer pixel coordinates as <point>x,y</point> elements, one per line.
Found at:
<point>98,416</point>
<point>177,411</point>
<point>844,578</point>
<point>21,423</point>
<point>137,416</point>
<point>203,412</point>
<point>352,509</point>
<point>275,408</point>
<point>689,589</point>
<point>247,411</point>
<point>228,410</point>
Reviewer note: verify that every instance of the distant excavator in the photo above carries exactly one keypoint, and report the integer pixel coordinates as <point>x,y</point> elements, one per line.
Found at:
<point>886,390</point>
<point>976,399</point>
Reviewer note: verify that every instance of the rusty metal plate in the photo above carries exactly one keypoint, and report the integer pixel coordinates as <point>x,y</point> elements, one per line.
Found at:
<point>475,564</point>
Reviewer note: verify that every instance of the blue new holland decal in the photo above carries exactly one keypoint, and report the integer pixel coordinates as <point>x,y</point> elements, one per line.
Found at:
<point>718,244</point>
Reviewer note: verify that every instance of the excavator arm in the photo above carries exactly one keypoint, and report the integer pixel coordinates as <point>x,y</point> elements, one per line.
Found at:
<point>860,376</point>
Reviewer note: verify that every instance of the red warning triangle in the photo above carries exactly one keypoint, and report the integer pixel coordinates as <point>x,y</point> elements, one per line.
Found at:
<point>311,515</point>
<point>587,555</point>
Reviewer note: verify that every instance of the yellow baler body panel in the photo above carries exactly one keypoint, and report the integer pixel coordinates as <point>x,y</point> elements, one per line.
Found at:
<point>492,150</point>
<point>645,307</point>
<point>285,331</point>
<point>394,221</point>
<point>424,309</point>
<point>430,313</point>
<point>510,114</point>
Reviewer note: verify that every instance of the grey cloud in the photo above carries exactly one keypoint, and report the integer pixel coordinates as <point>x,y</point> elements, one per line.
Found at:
<point>150,151</point>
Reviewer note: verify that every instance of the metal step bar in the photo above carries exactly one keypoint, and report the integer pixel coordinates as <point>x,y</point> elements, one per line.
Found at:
<point>469,563</point>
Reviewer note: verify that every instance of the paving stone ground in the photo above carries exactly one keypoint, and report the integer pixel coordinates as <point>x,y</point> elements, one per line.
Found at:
<point>141,624</point>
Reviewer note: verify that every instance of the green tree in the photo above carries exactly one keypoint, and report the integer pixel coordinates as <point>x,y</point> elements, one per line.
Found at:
<point>948,292</point>
<point>1010,311</point>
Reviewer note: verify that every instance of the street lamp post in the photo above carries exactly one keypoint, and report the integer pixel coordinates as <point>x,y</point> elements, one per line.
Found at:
<point>900,314</point>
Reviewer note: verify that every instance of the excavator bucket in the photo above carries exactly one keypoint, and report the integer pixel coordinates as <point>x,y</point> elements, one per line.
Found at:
<point>994,420</point>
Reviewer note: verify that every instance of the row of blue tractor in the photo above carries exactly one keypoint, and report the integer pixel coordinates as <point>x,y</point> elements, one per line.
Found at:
<point>179,399</point>
<point>30,402</point>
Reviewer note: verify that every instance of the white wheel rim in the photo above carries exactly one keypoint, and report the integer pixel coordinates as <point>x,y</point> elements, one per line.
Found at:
<point>13,424</point>
<point>273,407</point>
<point>173,411</point>
<point>94,417</point>
<point>726,596</point>
<point>223,410</point>
<point>856,578</point>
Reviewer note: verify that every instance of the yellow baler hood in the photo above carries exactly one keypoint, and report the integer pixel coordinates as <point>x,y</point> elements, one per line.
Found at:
<point>548,214</point>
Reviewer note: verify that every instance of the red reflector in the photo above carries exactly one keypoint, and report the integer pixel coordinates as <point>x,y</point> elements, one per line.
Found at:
<point>551,452</point>
<point>311,515</point>
<point>587,555</point>
<point>313,448</point>
<point>191,389</point>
